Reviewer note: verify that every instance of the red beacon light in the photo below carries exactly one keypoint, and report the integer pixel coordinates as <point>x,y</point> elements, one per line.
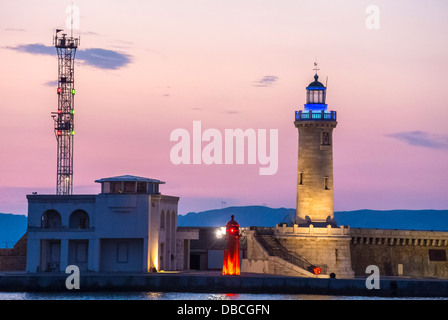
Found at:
<point>315,270</point>
<point>59,90</point>
<point>231,263</point>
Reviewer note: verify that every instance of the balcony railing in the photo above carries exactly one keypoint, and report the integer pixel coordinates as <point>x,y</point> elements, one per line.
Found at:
<point>315,116</point>
<point>59,229</point>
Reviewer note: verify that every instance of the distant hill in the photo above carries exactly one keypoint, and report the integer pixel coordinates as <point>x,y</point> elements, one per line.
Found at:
<point>12,228</point>
<point>436,220</point>
<point>246,216</point>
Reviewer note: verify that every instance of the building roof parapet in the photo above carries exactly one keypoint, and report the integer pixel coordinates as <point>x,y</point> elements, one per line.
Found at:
<point>129,178</point>
<point>370,232</point>
<point>295,230</point>
<point>39,198</point>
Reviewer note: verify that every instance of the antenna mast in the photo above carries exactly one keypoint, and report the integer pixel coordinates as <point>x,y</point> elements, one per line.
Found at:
<point>64,128</point>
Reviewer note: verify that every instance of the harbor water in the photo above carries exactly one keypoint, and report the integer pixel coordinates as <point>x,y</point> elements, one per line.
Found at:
<point>184,296</point>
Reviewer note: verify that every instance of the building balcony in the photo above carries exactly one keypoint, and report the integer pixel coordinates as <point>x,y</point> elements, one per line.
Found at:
<point>59,229</point>
<point>315,116</point>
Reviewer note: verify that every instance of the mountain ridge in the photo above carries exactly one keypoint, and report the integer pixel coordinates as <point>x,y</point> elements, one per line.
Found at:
<point>404,219</point>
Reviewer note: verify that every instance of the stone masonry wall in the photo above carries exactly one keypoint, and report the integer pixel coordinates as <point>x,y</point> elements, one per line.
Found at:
<point>334,253</point>
<point>416,254</point>
<point>14,259</point>
<point>315,163</point>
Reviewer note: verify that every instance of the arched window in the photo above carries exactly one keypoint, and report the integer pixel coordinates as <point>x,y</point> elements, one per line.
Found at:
<point>51,219</point>
<point>173,222</point>
<point>162,220</point>
<point>79,219</point>
<point>168,225</point>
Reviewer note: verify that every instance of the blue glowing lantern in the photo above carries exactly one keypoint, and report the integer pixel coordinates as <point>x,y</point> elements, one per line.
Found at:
<point>315,96</point>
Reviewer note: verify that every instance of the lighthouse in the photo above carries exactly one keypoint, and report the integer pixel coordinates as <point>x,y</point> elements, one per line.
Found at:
<point>315,188</point>
<point>313,245</point>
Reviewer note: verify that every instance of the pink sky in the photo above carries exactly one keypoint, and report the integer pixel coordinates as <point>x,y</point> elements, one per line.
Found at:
<point>202,60</point>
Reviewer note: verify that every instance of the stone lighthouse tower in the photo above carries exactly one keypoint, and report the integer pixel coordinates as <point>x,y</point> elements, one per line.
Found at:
<point>313,246</point>
<point>315,196</point>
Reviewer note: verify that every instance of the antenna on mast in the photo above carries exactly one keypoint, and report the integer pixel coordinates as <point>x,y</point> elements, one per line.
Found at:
<point>64,128</point>
<point>71,17</point>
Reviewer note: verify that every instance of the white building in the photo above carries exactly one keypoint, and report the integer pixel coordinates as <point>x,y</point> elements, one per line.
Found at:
<point>128,227</point>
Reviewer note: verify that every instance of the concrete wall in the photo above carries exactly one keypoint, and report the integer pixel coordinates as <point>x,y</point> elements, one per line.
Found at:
<point>122,255</point>
<point>162,232</point>
<point>400,252</point>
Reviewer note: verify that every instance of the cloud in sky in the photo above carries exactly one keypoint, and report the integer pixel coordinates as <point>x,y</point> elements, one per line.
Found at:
<point>95,57</point>
<point>34,48</point>
<point>103,58</point>
<point>422,139</point>
<point>51,83</point>
<point>266,81</point>
<point>14,29</point>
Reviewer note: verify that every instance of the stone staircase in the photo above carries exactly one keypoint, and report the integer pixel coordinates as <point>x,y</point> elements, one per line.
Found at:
<point>266,238</point>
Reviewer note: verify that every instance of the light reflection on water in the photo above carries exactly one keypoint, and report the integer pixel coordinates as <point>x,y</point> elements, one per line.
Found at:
<point>179,296</point>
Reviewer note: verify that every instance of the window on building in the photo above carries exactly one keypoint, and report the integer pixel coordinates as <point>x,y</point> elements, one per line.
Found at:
<point>141,187</point>
<point>51,219</point>
<point>81,251</point>
<point>162,220</point>
<point>437,255</point>
<point>301,178</point>
<point>122,252</point>
<point>115,187</point>
<point>325,138</point>
<point>79,219</point>
<point>326,185</point>
<point>129,186</point>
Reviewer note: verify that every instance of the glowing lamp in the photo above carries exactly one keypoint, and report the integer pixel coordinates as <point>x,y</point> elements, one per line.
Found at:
<point>317,270</point>
<point>59,90</point>
<point>73,91</point>
<point>58,132</point>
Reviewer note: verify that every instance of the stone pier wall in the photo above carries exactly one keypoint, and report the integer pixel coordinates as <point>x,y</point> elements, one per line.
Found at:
<point>319,246</point>
<point>407,253</point>
<point>14,259</point>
